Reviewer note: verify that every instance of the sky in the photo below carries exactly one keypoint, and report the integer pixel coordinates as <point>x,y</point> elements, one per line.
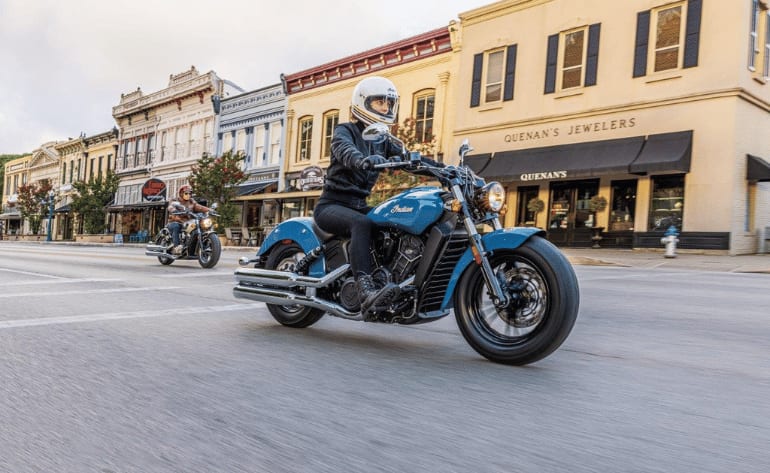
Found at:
<point>64,64</point>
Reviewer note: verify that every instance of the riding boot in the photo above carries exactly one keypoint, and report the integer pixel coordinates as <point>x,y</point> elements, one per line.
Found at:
<point>374,298</point>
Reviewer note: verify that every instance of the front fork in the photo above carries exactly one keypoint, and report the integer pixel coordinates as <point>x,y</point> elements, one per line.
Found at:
<point>498,295</point>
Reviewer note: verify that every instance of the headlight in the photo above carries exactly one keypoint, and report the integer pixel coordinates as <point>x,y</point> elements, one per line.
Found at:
<point>206,224</point>
<point>491,197</point>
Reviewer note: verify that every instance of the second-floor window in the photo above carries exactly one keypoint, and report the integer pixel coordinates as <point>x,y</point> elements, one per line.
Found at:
<point>759,41</point>
<point>493,76</point>
<point>305,138</point>
<point>330,122</point>
<point>667,38</point>
<point>572,58</point>
<point>423,116</point>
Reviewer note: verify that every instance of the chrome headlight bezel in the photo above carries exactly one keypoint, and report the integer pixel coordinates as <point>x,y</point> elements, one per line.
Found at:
<point>491,197</point>
<point>206,223</point>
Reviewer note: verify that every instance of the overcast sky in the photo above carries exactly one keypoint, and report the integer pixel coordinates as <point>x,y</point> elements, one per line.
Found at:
<point>64,64</point>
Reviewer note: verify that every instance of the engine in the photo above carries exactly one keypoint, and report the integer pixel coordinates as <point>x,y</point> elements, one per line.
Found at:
<point>405,257</point>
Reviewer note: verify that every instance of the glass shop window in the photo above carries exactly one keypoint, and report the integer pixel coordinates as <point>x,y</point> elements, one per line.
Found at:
<point>623,205</point>
<point>667,202</point>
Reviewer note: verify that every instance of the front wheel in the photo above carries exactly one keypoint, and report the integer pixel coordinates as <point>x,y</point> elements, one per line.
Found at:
<point>284,257</point>
<point>210,250</point>
<point>544,304</point>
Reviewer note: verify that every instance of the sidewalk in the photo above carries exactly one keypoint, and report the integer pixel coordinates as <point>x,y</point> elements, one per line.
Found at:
<point>758,263</point>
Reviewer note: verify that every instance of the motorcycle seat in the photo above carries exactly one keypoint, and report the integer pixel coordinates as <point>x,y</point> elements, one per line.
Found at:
<point>322,235</point>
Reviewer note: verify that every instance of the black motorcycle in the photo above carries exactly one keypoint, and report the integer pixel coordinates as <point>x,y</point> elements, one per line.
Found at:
<point>197,237</point>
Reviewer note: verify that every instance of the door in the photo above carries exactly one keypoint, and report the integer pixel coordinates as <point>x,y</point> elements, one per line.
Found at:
<point>524,216</point>
<point>569,217</point>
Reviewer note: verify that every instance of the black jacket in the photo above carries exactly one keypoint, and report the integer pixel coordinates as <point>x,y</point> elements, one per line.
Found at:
<point>346,183</point>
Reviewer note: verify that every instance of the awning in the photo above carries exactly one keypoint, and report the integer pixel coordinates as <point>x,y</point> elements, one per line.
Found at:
<point>588,159</point>
<point>63,209</point>
<point>10,216</point>
<point>757,169</point>
<point>478,162</point>
<point>664,152</point>
<point>254,188</point>
<point>137,206</point>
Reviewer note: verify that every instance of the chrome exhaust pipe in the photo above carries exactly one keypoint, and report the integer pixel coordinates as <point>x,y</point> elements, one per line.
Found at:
<point>156,250</point>
<point>273,278</point>
<point>284,297</point>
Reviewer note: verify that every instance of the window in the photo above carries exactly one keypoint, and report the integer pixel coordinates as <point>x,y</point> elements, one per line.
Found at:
<point>259,145</point>
<point>667,38</point>
<point>330,121</point>
<point>276,128</point>
<point>622,205</point>
<point>305,138</point>
<point>667,203</point>
<point>496,70</point>
<point>572,58</point>
<point>423,116</point>
<point>759,40</point>
<point>64,173</point>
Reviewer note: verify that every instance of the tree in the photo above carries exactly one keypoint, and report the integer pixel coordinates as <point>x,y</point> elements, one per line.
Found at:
<point>217,180</point>
<point>92,199</point>
<point>33,203</point>
<point>391,182</point>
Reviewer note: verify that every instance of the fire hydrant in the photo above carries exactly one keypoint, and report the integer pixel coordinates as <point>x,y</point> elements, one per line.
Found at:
<point>670,240</point>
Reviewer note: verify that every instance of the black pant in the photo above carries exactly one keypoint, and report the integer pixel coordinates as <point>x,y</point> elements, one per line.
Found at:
<point>352,223</point>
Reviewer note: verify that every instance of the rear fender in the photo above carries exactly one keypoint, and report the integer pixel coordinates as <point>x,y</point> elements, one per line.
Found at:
<point>507,238</point>
<point>300,231</point>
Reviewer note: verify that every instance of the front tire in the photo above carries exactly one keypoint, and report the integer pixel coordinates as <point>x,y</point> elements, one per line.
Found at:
<point>210,250</point>
<point>536,323</point>
<point>285,258</point>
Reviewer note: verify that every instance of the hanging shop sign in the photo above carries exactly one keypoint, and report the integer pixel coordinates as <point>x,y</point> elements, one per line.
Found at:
<point>310,178</point>
<point>154,190</point>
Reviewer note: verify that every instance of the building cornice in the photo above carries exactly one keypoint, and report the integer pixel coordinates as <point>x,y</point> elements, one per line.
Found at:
<point>400,52</point>
<point>177,91</point>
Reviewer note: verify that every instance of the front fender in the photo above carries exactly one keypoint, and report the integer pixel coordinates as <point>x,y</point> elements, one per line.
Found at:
<point>300,231</point>
<point>507,238</point>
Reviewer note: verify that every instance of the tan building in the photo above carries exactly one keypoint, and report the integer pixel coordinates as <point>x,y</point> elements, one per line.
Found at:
<point>319,98</point>
<point>16,174</point>
<point>659,106</point>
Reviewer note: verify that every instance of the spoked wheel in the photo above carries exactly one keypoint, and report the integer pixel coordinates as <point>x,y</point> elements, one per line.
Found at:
<point>164,239</point>
<point>285,258</point>
<point>210,250</point>
<point>544,304</point>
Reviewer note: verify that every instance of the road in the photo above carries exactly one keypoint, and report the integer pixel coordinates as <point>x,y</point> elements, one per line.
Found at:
<point>112,363</point>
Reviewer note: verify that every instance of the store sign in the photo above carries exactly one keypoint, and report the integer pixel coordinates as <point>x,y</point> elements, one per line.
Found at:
<point>154,190</point>
<point>311,178</point>
<point>569,129</point>
<point>538,176</point>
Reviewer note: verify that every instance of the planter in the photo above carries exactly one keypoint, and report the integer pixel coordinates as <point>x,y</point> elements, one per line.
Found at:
<point>596,236</point>
<point>95,238</point>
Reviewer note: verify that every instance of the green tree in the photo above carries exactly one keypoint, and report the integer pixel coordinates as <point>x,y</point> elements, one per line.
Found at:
<point>217,180</point>
<point>92,199</point>
<point>392,182</point>
<point>33,203</point>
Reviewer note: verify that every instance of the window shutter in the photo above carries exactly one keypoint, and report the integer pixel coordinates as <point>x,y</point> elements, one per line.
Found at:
<point>692,35</point>
<point>642,39</point>
<point>592,59</point>
<point>550,64</point>
<point>510,72</point>
<point>478,62</point>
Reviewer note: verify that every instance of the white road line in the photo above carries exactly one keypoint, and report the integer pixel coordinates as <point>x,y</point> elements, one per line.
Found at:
<point>92,291</point>
<point>31,273</point>
<point>125,315</point>
<point>60,281</point>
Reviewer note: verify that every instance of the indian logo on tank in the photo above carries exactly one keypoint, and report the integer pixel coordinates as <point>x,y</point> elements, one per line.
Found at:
<point>397,209</point>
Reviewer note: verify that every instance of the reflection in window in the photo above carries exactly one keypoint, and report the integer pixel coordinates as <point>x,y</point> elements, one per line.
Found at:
<point>330,121</point>
<point>572,66</point>
<point>668,38</point>
<point>305,138</point>
<point>494,82</point>
<point>667,203</point>
<point>623,205</point>
<point>423,116</point>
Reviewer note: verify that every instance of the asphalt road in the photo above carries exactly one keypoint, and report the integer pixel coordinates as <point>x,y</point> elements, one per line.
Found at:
<point>112,363</point>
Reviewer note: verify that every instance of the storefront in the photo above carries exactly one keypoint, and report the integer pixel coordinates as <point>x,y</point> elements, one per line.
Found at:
<point>567,177</point>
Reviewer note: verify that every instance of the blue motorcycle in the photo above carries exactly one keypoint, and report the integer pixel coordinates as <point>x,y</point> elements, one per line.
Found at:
<point>515,296</point>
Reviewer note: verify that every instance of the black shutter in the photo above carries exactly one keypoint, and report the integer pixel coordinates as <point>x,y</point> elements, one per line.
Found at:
<point>692,34</point>
<point>642,39</point>
<point>478,63</point>
<point>510,72</point>
<point>592,59</point>
<point>550,64</point>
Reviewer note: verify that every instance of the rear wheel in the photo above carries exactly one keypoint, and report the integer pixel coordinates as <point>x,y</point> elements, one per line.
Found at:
<point>285,258</point>
<point>210,250</point>
<point>164,239</point>
<point>545,299</point>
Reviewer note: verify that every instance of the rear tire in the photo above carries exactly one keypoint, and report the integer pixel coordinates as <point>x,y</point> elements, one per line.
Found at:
<point>538,322</point>
<point>284,257</point>
<point>164,239</point>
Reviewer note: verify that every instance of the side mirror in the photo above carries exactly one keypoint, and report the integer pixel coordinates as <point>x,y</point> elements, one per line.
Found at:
<point>376,132</point>
<point>465,147</point>
<point>214,206</point>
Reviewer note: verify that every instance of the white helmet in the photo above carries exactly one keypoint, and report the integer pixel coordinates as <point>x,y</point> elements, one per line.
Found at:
<point>368,90</point>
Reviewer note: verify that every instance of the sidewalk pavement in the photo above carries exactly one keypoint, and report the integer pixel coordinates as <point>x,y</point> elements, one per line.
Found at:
<point>704,261</point>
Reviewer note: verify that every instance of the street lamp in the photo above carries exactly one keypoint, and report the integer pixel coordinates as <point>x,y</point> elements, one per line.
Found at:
<point>50,213</point>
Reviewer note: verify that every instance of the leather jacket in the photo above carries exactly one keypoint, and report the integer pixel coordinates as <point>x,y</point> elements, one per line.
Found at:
<point>190,205</point>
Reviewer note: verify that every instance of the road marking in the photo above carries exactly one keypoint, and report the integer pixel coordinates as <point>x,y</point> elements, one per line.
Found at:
<point>60,281</point>
<point>29,273</point>
<point>125,315</point>
<point>91,291</point>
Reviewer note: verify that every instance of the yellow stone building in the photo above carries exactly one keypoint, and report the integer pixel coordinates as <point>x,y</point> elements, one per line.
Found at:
<point>659,106</point>
<point>16,174</point>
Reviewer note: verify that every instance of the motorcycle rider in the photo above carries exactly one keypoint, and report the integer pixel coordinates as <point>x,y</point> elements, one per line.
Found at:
<point>183,203</point>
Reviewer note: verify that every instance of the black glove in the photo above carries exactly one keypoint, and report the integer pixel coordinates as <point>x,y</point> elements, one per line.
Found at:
<point>395,159</point>
<point>370,161</point>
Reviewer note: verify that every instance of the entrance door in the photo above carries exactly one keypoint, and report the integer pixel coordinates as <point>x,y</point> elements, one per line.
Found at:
<point>569,218</point>
<point>524,216</point>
